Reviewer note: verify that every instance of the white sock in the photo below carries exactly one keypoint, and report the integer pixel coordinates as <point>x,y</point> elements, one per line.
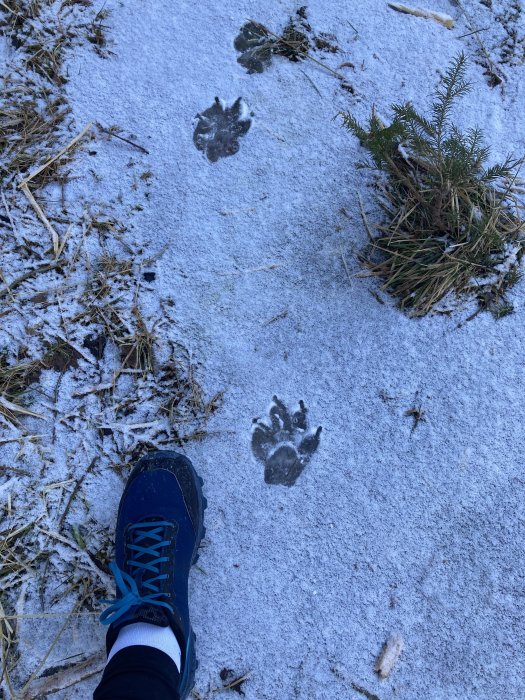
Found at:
<point>144,634</point>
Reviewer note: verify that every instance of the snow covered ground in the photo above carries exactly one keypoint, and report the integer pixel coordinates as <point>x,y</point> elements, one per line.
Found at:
<point>390,528</point>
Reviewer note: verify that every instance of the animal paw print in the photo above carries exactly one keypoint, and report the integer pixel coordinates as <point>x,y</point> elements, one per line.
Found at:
<point>285,446</point>
<point>255,46</point>
<point>219,129</point>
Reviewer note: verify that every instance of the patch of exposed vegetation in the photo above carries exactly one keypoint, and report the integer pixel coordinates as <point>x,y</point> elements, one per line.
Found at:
<point>91,377</point>
<point>257,44</point>
<point>453,225</point>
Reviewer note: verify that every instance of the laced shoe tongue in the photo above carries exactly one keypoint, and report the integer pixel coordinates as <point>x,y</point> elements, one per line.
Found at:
<point>152,614</point>
<point>140,585</point>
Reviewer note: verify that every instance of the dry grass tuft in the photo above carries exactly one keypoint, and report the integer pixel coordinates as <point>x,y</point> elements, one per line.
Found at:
<point>453,226</point>
<point>97,33</point>
<point>16,379</point>
<point>30,117</point>
<point>14,382</point>
<point>136,350</point>
<point>293,43</point>
<point>33,108</point>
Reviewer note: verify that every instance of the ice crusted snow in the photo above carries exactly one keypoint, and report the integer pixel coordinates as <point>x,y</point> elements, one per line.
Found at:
<point>388,529</point>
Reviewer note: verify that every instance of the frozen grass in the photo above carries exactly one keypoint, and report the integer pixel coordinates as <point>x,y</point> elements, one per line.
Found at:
<point>33,108</point>
<point>453,225</point>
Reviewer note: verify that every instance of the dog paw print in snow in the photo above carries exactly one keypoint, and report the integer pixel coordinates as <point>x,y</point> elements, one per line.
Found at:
<point>219,129</point>
<point>255,46</point>
<point>286,445</point>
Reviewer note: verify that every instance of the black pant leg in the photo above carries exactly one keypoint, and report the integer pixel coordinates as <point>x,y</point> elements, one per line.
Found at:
<point>139,673</point>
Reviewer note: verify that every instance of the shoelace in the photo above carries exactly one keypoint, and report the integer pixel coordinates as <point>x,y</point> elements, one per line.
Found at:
<point>147,558</point>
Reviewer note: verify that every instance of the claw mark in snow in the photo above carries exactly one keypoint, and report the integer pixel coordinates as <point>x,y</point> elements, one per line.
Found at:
<point>285,446</point>
<point>219,129</point>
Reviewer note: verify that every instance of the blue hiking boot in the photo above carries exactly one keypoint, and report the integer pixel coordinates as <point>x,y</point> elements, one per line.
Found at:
<point>159,529</point>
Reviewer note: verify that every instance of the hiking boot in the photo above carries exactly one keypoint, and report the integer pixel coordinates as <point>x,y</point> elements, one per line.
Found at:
<point>159,529</point>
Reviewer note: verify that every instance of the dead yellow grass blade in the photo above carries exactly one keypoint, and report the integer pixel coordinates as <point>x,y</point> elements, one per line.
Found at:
<point>66,678</point>
<point>67,148</point>
<point>15,409</point>
<point>443,19</point>
<point>24,186</point>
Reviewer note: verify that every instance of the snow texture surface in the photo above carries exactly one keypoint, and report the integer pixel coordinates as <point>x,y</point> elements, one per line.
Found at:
<point>387,530</point>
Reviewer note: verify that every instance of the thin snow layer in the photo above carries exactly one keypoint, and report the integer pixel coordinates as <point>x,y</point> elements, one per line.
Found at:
<point>389,529</point>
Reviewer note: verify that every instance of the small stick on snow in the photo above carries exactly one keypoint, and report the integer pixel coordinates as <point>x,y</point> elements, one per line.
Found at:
<point>446,20</point>
<point>14,283</point>
<point>44,616</point>
<point>346,267</point>
<point>363,691</point>
<point>20,438</point>
<point>127,427</point>
<point>7,287</point>
<point>19,410</point>
<point>5,619</point>
<point>94,389</point>
<point>263,268</point>
<point>64,241</point>
<point>376,296</point>
<point>82,554</point>
<point>24,692</point>
<point>389,656</point>
<point>74,493</point>
<point>277,317</point>
<point>233,685</point>
<point>121,138</point>
<point>312,84</point>
<point>351,25</point>
<point>16,14</point>
<point>475,31</point>
<point>67,677</point>
<point>495,73</point>
<point>15,470</point>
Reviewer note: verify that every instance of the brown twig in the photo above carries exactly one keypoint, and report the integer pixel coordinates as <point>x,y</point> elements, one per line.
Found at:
<point>8,211</point>
<point>365,692</point>
<point>16,282</point>
<point>277,317</point>
<point>74,493</point>
<point>67,677</point>
<point>121,138</point>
